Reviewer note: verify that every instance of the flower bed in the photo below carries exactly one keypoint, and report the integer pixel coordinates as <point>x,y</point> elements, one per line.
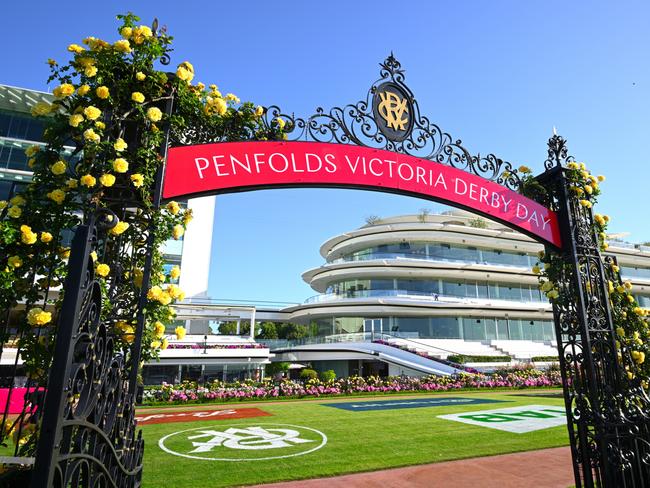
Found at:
<point>200,345</point>
<point>191,392</point>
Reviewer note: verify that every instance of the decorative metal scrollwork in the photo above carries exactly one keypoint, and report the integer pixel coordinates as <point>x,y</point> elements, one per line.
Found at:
<point>558,154</point>
<point>396,126</point>
<point>95,443</point>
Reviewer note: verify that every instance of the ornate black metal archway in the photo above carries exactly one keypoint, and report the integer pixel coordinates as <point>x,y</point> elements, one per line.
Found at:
<point>96,442</point>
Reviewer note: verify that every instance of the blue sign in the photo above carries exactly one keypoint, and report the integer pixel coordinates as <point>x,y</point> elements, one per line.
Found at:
<point>409,403</point>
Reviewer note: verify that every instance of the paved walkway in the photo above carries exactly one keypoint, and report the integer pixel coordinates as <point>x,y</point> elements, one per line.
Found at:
<point>546,468</point>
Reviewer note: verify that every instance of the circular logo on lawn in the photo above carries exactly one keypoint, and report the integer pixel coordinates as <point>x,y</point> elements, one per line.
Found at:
<point>238,442</point>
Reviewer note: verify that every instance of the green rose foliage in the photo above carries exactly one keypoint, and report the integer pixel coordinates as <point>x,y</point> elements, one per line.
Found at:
<point>109,111</point>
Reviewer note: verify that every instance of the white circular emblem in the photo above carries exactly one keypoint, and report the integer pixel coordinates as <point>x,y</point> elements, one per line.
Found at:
<point>239,442</point>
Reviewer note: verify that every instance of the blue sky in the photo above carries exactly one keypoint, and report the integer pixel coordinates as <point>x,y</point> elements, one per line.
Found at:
<point>498,75</point>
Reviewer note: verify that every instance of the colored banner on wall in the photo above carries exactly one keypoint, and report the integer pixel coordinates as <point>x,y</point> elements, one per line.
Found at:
<point>240,166</point>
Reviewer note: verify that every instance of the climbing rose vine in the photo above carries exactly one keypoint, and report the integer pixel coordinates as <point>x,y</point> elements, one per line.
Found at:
<point>110,107</point>
<point>631,321</point>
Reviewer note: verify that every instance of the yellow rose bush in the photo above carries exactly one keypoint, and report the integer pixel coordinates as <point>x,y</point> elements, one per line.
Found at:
<point>111,104</point>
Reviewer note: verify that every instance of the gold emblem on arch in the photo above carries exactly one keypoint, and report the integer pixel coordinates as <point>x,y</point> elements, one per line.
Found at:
<point>393,110</point>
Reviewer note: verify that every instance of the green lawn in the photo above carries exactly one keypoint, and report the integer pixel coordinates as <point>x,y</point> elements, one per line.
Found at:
<point>356,441</point>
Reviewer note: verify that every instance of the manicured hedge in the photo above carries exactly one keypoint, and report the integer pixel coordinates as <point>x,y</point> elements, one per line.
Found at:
<point>553,359</point>
<point>461,359</point>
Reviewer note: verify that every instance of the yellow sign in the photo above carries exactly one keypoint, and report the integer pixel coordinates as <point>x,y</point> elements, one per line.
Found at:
<point>392,108</point>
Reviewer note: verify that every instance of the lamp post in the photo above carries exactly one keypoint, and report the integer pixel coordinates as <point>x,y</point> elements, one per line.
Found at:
<point>205,344</point>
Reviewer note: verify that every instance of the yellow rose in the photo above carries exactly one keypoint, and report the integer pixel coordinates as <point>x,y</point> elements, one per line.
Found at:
<point>41,108</point>
<point>107,179</point>
<point>173,207</point>
<point>123,46</point>
<point>137,180</point>
<point>184,74</point>
<point>127,331</point>
<point>103,269</point>
<point>88,181</point>
<point>72,183</point>
<point>57,195</point>
<point>18,200</point>
<point>100,125</point>
<point>120,165</point>
<point>180,332</point>
<point>3,204</point>
<point>232,98</point>
<point>178,231</point>
<point>15,261</point>
<point>126,32</point>
<point>154,293</point>
<point>140,76</point>
<point>173,291</point>
<point>59,168</point>
<point>141,33</point>
<point>154,114</point>
<point>187,216</point>
<point>119,228</point>
<point>158,329</point>
<point>137,97</point>
<point>91,136</point>
<point>585,203</point>
<point>164,299</point>
<point>601,178</point>
<point>92,113</point>
<point>259,111</point>
<point>102,92</point>
<point>524,169</point>
<point>155,344</point>
<point>93,256</point>
<point>75,48</point>
<point>164,344</point>
<point>14,212</point>
<point>553,294</point>
<point>83,89</point>
<point>32,150</point>
<point>536,269</point>
<point>38,317</point>
<point>281,122</point>
<point>120,145</point>
<point>90,71</point>
<point>27,236</point>
<point>85,62</point>
<point>64,90</point>
<point>75,119</point>
<point>46,237</point>
<point>175,272</point>
<point>216,105</point>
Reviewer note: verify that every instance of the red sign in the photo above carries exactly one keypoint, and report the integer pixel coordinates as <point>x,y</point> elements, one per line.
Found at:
<point>239,166</point>
<point>193,415</point>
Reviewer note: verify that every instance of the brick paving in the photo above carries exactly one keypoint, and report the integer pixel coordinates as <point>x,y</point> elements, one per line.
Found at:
<point>545,468</point>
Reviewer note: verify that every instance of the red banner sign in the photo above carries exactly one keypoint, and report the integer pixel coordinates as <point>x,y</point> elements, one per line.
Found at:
<point>193,415</point>
<point>240,166</point>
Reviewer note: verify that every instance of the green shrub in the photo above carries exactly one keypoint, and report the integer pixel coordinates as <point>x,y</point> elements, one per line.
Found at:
<point>328,375</point>
<point>545,359</point>
<point>273,369</point>
<point>308,374</point>
<point>461,359</point>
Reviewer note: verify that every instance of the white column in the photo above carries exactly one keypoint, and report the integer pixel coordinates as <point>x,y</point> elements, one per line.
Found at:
<point>237,331</point>
<point>253,324</point>
<point>197,247</point>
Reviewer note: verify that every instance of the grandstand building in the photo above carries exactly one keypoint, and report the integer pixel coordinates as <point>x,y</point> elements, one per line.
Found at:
<point>402,290</point>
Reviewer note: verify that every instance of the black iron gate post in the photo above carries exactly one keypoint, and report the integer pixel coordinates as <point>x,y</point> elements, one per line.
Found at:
<point>609,448</point>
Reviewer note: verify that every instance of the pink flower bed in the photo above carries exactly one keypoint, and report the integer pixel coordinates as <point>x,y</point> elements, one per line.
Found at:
<point>187,392</point>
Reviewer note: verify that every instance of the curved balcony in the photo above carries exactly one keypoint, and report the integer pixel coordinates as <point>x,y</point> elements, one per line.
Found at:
<point>519,262</point>
<point>412,295</point>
